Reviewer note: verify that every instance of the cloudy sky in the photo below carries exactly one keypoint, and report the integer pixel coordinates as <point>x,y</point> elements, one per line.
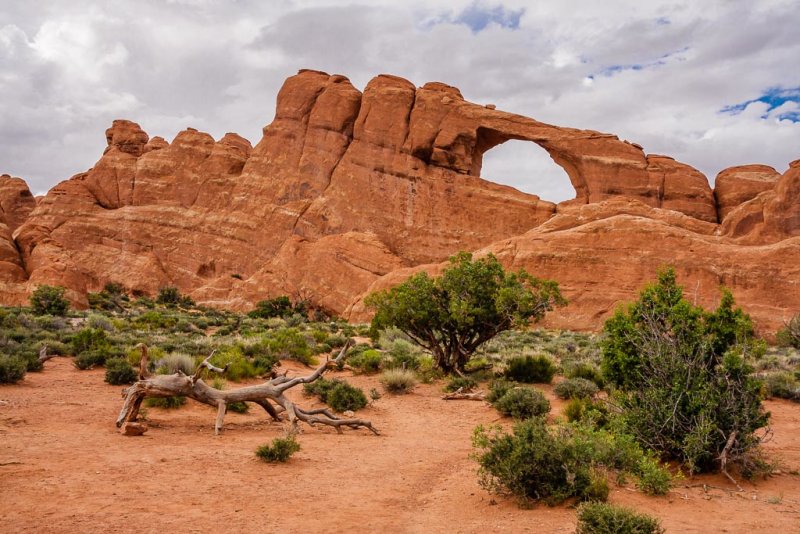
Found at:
<point>712,83</point>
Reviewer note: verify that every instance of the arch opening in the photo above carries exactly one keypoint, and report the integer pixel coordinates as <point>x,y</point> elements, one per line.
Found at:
<point>526,166</point>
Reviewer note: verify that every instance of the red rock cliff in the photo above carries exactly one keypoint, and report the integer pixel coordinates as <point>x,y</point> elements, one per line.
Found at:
<point>348,191</point>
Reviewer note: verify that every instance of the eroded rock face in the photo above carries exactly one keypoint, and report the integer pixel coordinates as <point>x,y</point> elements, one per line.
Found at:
<point>16,204</point>
<point>348,191</point>
<point>771,216</point>
<point>736,185</point>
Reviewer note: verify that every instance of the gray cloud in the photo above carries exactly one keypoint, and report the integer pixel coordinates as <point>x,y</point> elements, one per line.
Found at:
<point>67,69</point>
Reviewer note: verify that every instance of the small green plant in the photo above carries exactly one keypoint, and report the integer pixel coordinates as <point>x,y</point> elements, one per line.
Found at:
<point>49,300</point>
<point>398,380</point>
<point>531,369</point>
<point>368,361</point>
<point>238,407</point>
<point>575,388</point>
<point>12,369</point>
<point>169,403</point>
<point>602,518</point>
<point>119,371</point>
<point>522,403</point>
<point>280,450</point>
<point>374,394</point>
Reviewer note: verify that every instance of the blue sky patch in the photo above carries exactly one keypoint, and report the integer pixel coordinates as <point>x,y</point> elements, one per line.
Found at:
<point>611,70</point>
<point>774,97</point>
<point>478,16</point>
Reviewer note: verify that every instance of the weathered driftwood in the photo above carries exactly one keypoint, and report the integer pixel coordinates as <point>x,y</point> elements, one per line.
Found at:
<point>461,394</point>
<point>270,395</point>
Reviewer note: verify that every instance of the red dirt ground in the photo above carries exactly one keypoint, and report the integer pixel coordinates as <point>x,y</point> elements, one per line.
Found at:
<point>65,468</point>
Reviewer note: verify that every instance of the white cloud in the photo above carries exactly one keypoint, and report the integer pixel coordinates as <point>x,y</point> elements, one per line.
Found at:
<point>657,73</point>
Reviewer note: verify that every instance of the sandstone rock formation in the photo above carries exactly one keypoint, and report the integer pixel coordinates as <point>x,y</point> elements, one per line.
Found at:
<point>348,191</point>
<point>736,185</point>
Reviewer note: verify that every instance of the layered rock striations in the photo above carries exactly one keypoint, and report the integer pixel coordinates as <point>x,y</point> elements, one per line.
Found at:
<point>350,191</point>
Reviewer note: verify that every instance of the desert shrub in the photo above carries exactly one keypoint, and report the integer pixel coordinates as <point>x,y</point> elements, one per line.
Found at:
<point>280,450</point>
<point>343,397</point>
<point>522,403</point>
<point>336,341</point>
<point>290,343</point>
<point>531,463</point>
<point>92,358</point>
<point>427,370</point>
<point>783,385</point>
<point>169,403</point>
<point>321,387</point>
<point>28,354</point>
<point>277,307</point>
<point>368,361</point>
<point>537,462</point>
<point>586,371</point>
<point>319,336</point>
<point>238,407</point>
<point>89,339</point>
<point>170,296</point>
<point>174,362</point>
<point>49,300</point>
<point>265,363</point>
<point>602,518</point>
<point>55,347</point>
<point>155,320</point>
<point>653,478</point>
<point>789,335</point>
<point>12,369</point>
<point>531,369</point>
<point>403,354</point>
<point>398,380</point>
<point>498,388</point>
<point>119,371</point>
<point>587,411</point>
<point>597,487</point>
<point>685,386</point>
<point>111,298</point>
<point>575,388</point>
<point>460,382</point>
<point>477,364</point>
<point>100,322</point>
<point>239,367</point>
<point>337,393</point>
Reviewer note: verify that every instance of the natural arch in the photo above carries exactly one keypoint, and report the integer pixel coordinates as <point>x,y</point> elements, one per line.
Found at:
<point>522,164</point>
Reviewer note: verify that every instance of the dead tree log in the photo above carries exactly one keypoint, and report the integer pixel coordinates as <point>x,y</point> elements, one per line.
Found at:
<point>461,394</point>
<point>270,395</point>
<point>43,356</point>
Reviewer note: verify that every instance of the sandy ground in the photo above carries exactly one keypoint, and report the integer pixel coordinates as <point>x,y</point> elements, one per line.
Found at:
<point>64,468</point>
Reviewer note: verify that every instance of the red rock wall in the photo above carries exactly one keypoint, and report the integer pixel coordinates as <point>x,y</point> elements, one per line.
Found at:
<point>347,191</point>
